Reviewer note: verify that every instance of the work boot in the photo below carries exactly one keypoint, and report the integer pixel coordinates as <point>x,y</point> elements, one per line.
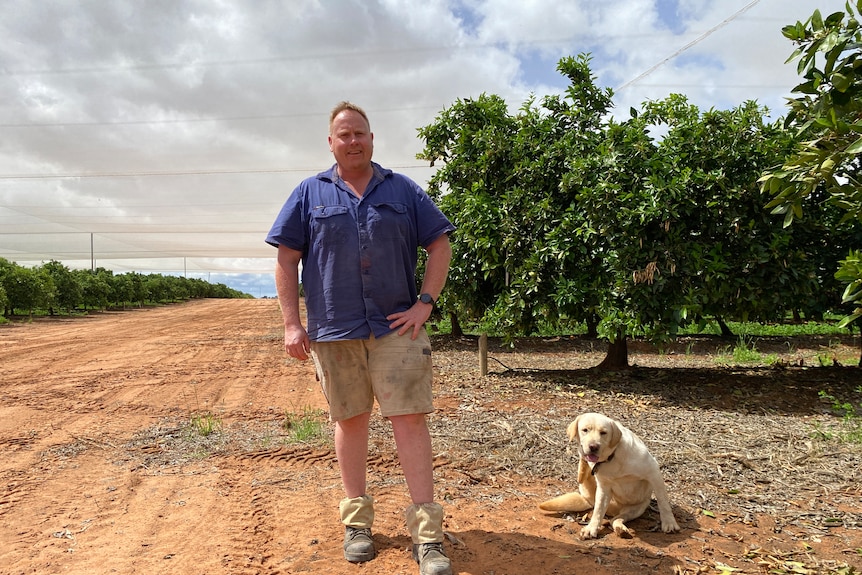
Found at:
<point>357,514</point>
<point>358,545</point>
<point>432,559</point>
<point>425,523</point>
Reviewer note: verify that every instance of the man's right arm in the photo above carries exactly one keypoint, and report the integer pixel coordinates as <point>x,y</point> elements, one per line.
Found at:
<point>296,342</point>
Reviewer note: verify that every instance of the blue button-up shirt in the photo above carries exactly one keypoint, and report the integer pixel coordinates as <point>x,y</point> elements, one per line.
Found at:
<point>359,255</point>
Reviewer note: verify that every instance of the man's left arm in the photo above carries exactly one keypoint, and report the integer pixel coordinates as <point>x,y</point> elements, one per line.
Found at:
<point>436,271</point>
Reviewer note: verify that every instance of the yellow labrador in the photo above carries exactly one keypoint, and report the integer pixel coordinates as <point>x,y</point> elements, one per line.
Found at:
<point>617,475</point>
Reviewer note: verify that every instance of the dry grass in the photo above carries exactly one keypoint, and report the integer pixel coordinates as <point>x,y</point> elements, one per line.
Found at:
<point>735,440</point>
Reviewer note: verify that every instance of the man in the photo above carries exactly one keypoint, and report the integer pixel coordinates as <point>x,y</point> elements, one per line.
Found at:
<point>356,229</point>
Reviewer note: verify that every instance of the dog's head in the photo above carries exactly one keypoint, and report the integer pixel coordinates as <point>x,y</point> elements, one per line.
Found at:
<point>597,436</point>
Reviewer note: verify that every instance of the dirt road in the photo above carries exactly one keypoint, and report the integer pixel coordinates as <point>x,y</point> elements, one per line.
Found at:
<point>77,493</point>
<point>100,472</point>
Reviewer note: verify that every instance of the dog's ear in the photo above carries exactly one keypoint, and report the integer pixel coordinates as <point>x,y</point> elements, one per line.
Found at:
<point>572,429</point>
<point>616,435</point>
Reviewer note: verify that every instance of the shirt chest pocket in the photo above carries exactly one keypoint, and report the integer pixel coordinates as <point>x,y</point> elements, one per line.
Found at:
<point>389,221</point>
<point>331,225</point>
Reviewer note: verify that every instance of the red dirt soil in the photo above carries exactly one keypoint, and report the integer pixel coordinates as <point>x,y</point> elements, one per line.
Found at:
<point>89,409</point>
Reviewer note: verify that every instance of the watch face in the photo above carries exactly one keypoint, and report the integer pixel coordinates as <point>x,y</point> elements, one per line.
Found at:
<point>425,298</point>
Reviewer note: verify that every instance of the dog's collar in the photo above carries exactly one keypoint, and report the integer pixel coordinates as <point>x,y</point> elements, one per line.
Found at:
<point>596,466</point>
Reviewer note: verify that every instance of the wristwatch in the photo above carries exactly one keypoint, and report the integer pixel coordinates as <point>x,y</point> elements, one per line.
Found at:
<point>426,298</point>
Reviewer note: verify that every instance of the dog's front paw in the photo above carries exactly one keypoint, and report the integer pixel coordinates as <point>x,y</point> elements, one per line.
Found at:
<point>589,531</point>
<point>621,530</point>
<point>669,525</point>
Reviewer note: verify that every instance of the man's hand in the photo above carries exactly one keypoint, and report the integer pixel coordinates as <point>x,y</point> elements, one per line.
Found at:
<point>414,317</point>
<point>296,342</point>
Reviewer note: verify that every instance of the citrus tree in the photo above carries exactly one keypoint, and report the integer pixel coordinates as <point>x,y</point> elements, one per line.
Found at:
<point>827,114</point>
<point>69,293</point>
<point>565,215</point>
<point>26,288</point>
<point>679,224</point>
<point>515,264</point>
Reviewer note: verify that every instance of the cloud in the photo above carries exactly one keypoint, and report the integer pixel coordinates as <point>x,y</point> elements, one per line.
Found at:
<point>172,131</point>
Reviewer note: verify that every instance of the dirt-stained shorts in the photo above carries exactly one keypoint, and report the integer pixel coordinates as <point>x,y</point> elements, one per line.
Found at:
<point>396,370</point>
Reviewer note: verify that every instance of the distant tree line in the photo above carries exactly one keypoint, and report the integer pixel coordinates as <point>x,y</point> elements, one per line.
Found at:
<point>54,288</point>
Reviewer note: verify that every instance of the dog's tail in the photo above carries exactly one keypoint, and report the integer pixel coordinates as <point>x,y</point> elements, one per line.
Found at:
<point>572,502</point>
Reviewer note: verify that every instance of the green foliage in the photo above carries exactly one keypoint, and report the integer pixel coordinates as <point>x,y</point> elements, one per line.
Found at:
<point>26,289</point>
<point>752,267</point>
<point>69,292</point>
<point>850,272</point>
<point>4,300</point>
<point>514,263</point>
<point>565,216</point>
<point>826,114</point>
<point>775,329</point>
<point>684,222</point>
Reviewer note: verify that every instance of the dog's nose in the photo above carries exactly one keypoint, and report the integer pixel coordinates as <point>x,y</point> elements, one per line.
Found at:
<point>594,448</point>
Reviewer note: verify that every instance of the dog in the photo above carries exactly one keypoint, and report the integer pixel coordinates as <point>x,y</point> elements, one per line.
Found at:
<point>617,476</point>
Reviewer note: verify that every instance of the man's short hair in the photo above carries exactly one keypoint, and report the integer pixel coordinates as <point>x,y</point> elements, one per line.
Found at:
<point>347,106</point>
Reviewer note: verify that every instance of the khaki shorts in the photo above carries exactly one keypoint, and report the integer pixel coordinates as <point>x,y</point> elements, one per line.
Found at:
<point>395,370</point>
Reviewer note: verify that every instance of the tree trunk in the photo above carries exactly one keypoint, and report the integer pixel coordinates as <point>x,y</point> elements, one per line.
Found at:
<point>592,326</point>
<point>617,357</point>
<point>456,325</point>
<point>725,331</point>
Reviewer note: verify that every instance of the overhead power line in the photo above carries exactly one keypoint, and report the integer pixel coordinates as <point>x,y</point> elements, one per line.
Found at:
<point>177,173</point>
<point>697,40</point>
<point>194,120</point>
<point>353,52</point>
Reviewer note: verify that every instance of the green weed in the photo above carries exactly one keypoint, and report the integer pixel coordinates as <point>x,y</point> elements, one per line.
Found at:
<point>850,429</point>
<point>306,426</point>
<point>202,422</point>
<point>205,423</point>
<point>745,352</point>
<point>832,357</point>
<point>783,329</point>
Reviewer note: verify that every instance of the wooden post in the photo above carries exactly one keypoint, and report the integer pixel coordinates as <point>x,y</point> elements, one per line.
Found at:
<point>483,354</point>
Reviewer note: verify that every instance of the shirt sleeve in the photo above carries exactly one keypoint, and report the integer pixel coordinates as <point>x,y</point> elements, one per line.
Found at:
<point>289,228</point>
<point>431,222</point>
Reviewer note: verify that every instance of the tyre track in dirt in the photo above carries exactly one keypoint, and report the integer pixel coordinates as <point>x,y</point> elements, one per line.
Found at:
<point>80,494</point>
<point>136,367</point>
<point>264,543</point>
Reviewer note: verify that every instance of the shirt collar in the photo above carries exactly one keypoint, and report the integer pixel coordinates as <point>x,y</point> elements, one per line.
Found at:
<point>380,173</point>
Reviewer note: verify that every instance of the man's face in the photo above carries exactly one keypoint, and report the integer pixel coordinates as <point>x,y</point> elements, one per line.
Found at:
<point>351,140</point>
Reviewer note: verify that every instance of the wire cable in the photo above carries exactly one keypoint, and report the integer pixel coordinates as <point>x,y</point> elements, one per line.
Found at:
<point>697,40</point>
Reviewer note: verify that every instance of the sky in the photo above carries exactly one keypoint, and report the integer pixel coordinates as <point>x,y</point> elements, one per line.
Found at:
<point>163,136</point>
